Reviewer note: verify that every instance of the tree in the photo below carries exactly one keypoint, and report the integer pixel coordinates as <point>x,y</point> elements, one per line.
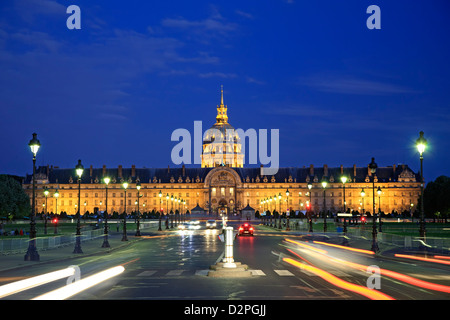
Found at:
<point>13,199</point>
<point>436,197</point>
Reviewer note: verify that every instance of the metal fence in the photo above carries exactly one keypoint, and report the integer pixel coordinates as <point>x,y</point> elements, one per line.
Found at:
<point>437,244</point>
<point>18,245</point>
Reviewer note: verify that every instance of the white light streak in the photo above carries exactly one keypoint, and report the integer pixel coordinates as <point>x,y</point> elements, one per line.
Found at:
<point>29,283</point>
<point>81,285</point>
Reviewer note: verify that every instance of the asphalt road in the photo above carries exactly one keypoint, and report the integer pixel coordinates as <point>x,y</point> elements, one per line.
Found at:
<point>173,265</point>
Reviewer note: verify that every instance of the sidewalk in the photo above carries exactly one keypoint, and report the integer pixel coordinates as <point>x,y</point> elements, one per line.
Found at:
<point>89,247</point>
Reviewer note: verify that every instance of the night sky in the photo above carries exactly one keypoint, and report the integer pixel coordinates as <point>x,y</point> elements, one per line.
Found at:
<point>113,92</point>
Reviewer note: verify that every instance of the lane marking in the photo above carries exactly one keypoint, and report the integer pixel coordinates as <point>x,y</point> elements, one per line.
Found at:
<point>257,272</point>
<point>284,273</point>
<point>147,273</point>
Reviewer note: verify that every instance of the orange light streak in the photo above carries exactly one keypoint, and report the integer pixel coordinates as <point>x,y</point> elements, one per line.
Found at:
<point>422,258</point>
<point>345,248</point>
<point>307,246</point>
<point>369,293</point>
<point>392,274</point>
<point>442,257</point>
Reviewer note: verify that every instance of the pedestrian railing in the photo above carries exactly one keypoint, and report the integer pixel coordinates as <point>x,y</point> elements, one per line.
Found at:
<point>18,245</point>
<point>437,244</point>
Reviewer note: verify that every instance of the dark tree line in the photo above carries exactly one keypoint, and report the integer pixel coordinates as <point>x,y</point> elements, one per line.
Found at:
<point>14,202</point>
<point>437,198</point>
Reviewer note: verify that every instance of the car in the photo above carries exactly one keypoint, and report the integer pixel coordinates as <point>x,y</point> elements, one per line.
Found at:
<point>246,229</point>
<point>183,226</point>
<point>194,224</point>
<point>211,224</point>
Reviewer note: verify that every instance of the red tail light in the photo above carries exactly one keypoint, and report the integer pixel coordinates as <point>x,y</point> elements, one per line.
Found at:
<point>251,228</point>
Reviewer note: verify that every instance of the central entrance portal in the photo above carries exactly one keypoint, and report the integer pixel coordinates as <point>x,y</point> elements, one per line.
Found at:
<point>222,209</point>
<point>222,184</point>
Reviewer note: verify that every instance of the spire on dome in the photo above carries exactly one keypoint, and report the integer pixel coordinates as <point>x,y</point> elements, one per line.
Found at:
<point>221,109</point>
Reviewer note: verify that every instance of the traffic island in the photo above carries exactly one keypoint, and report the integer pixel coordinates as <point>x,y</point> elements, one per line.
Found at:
<point>227,270</point>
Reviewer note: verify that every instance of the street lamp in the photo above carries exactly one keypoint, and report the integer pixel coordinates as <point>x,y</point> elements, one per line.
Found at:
<point>171,211</point>
<point>124,235</point>
<point>344,180</point>
<point>379,209</point>
<point>324,185</point>
<point>46,192</point>
<point>79,172</point>
<point>310,207</point>
<point>288,213</point>
<point>179,211</point>
<point>32,254</point>
<point>279,213</point>
<point>363,194</point>
<point>138,231</point>
<point>373,168</point>
<point>271,213</point>
<point>421,144</point>
<point>167,211</point>
<point>105,244</point>
<point>56,195</point>
<point>160,210</point>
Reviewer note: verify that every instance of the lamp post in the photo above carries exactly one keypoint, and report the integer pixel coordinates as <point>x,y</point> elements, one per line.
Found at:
<point>179,210</point>
<point>264,211</point>
<point>167,211</point>
<point>79,171</point>
<point>310,207</point>
<point>105,244</point>
<point>171,212</point>
<point>32,254</point>
<point>373,168</point>
<point>138,230</point>
<point>288,213</point>
<point>271,213</point>
<point>379,209</point>
<point>324,185</point>
<point>46,192</point>
<point>421,144</point>
<point>56,195</point>
<point>124,235</point>
<point>160,210</point>
<point>279,213</point>
<point>344,180</point>
<point>363,194</point>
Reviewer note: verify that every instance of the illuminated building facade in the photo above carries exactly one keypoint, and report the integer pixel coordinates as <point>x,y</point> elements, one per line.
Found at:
<point>223,185</point>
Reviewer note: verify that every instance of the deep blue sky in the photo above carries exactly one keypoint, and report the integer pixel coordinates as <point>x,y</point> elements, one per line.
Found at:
<point>113,92</point>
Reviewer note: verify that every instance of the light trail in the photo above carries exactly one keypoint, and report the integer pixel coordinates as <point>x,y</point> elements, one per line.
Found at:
<point>392,274</point>
<point>29,283</point>
<point>442,257</point>
<point>422,258</point>
<point>307,246</point>
<point>344,247</point>
<point>81,285</point>
<point>369,293</point>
